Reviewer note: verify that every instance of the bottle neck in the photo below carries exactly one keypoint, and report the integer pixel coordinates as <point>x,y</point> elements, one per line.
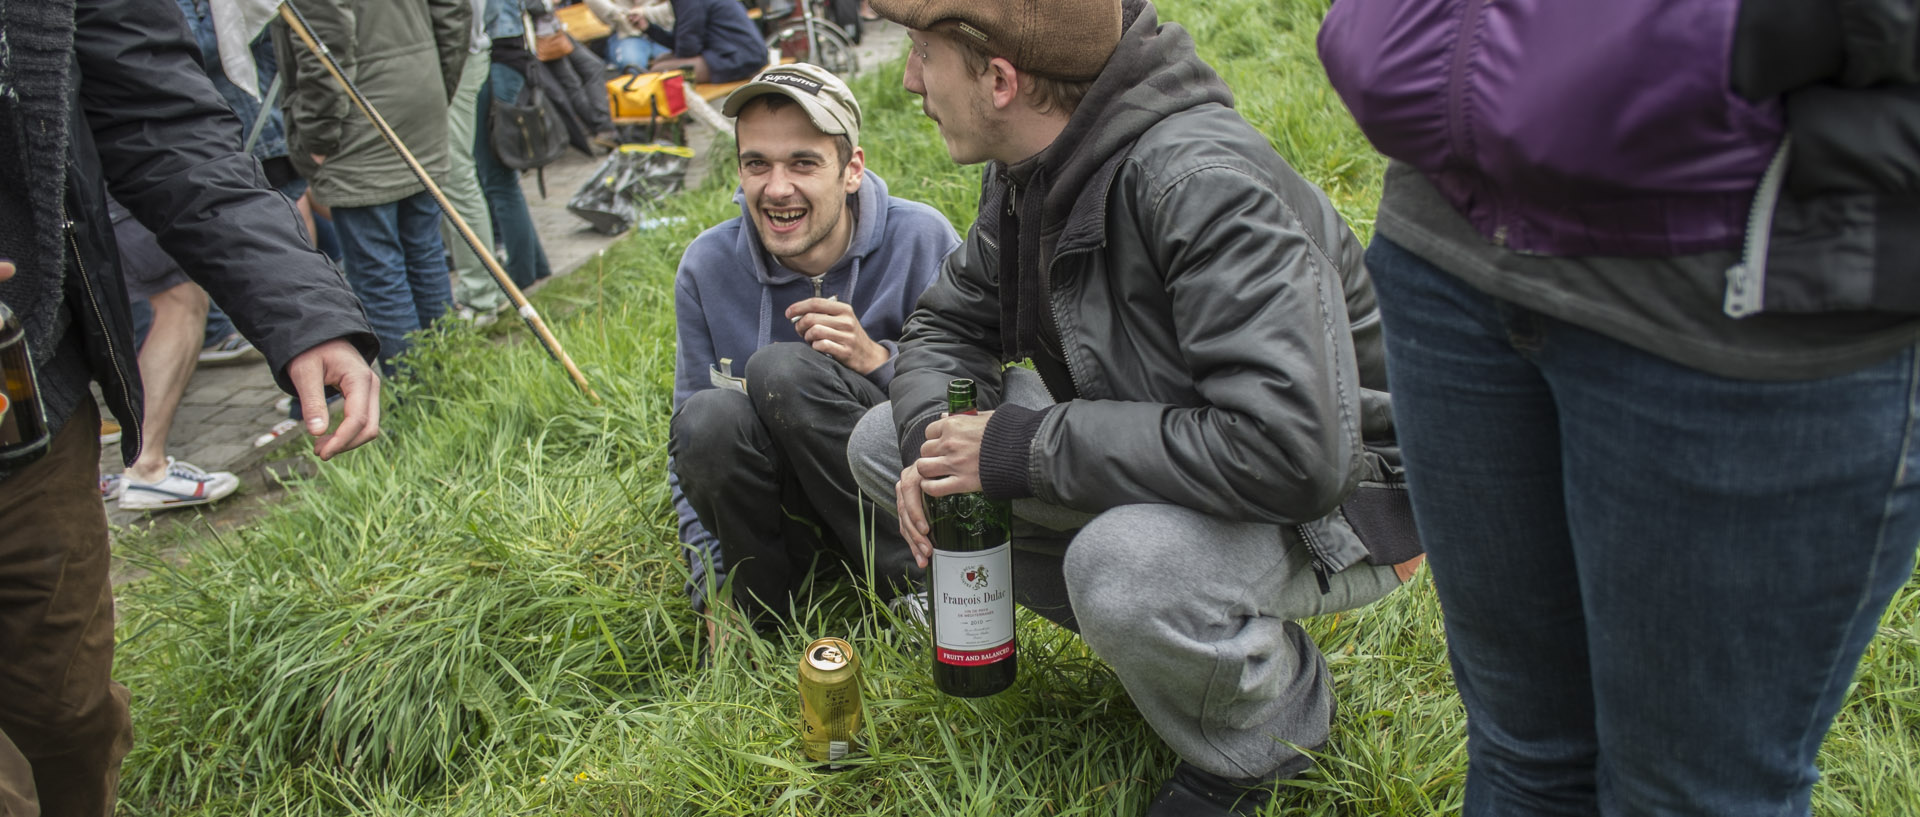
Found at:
<point>960,399</point>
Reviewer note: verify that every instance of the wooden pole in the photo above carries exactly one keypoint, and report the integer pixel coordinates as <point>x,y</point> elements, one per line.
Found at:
<point>527,313</point>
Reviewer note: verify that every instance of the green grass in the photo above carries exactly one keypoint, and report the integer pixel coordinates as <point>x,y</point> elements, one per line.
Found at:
<point>481,613</point>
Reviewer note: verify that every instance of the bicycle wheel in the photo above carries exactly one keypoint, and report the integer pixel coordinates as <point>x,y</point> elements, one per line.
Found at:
<point>833,51</point>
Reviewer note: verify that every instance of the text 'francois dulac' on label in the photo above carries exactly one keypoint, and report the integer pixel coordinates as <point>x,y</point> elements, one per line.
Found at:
<point>973,605</point>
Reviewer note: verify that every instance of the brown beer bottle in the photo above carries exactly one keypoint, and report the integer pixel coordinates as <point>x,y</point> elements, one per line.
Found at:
<point>23,420</point>
<point>970,584</point>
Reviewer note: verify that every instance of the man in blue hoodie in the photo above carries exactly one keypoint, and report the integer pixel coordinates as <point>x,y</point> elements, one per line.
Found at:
<point>805,294</point>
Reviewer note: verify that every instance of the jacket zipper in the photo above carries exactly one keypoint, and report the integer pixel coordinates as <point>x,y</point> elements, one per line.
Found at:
<point>1320,573</point>
<point>1053,309</point>
<point>93,301</point>
<point>1747,279</point>
<point>815,281</point>
<point>1053,306</point>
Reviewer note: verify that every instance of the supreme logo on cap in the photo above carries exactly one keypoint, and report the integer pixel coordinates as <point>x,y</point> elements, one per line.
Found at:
<point>795,81</point>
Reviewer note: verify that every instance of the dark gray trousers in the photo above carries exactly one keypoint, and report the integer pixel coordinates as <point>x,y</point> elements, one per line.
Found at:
<point>767,474</point>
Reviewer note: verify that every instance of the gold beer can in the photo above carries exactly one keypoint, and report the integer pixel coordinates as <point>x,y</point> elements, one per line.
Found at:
<point>829,699</point>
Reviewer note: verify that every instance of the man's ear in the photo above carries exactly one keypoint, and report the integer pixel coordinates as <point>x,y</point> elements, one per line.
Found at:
<point>855,166</point>
<point>1004,82</point>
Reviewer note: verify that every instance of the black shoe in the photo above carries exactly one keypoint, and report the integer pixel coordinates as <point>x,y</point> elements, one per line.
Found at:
<point>1194,792</point>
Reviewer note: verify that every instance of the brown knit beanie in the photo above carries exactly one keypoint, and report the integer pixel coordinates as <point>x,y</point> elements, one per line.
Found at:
<point>1063,39</point>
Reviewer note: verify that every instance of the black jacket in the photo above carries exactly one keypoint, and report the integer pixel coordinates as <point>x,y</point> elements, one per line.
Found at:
<point>1846,229</point>
<point>1218,344</point>
<point>146,122</point>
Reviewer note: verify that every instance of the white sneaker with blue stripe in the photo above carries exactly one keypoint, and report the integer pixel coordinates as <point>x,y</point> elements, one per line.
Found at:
<point>183,486</point>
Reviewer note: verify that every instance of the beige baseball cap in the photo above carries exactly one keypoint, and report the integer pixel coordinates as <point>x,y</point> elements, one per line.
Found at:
<point>822,95</point>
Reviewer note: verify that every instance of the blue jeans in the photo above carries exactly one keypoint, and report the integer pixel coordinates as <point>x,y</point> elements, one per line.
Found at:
<point>513,229</point>
<point>634,54</point>
<point>1657,582</point>
<point>398,267</point>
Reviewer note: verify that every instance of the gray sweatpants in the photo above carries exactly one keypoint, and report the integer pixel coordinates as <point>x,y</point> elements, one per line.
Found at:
<point>1195,613</point>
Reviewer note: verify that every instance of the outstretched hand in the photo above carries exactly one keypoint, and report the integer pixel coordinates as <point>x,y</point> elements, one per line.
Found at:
<point>336,363</point>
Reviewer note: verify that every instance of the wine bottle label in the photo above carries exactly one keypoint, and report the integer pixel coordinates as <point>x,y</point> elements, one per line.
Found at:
<point>972,605</point>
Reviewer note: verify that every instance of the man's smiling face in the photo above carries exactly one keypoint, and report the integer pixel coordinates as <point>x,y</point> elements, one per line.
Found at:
<point>796,188</point>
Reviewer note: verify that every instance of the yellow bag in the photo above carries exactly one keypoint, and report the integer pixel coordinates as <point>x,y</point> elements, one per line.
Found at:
<point>645,95</point>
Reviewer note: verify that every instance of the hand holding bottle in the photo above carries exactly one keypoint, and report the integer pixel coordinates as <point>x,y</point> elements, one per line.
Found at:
<point>949,464</point>
<point>950,458</point>
<point>970,579</point>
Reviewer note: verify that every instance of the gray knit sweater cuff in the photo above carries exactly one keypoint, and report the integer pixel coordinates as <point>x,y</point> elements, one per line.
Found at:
<point>1006,450</point>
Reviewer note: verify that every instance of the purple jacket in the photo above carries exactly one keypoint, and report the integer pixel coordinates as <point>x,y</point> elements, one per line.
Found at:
<point>1562,127</point>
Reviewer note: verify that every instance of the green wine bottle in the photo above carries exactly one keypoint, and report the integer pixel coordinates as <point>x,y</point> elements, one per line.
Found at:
<point>970,584</point>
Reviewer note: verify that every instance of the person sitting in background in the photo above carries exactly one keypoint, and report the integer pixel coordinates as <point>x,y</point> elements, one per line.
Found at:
<point>561,79</point>
<point>714,38</point>
<point>627,48</point>
<point>580,76</point>
<point>805,292</point>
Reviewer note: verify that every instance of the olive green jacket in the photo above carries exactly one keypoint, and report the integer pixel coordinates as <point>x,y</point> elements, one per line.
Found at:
<point>404,57</point>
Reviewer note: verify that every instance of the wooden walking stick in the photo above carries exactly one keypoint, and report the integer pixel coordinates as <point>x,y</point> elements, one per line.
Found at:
<point>298,23</point>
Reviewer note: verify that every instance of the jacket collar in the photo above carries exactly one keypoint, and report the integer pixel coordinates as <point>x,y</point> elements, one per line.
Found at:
<point>1154,73</point>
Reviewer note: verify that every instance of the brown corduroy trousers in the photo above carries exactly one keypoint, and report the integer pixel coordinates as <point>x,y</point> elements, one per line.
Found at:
<point>63,721</point>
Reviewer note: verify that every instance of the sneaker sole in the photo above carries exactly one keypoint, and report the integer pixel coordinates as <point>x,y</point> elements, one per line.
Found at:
<point>163,501</point>
<point>174,503</point>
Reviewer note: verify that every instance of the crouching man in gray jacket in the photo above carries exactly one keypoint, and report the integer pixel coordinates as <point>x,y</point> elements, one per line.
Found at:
<point>1207,364</point>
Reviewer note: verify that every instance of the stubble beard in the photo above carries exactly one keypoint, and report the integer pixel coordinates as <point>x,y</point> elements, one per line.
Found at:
<point>790,246</point>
